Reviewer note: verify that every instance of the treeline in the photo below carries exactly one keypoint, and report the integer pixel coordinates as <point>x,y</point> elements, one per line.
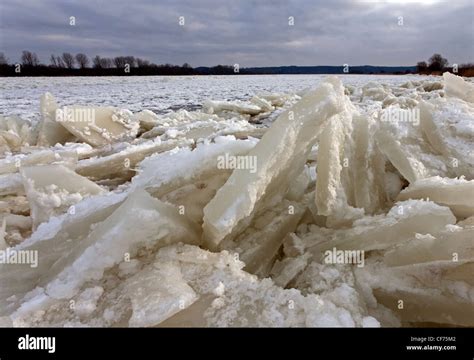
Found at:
<point>437,64</point>
<point>80,64</point>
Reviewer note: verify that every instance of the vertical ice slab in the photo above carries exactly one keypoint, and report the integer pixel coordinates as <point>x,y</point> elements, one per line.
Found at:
<point>280,156</point>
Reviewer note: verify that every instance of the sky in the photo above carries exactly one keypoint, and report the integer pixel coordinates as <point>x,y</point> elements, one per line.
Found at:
<point>244,32</point>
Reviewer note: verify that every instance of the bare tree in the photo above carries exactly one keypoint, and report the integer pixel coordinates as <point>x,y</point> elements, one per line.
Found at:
<point>130,60</point>
<point>29,58</point>
<point>3,59</point>
<point>96,62</point>
<point>56,61</point>
<point>106,63</point>
<point>101,63</point>
<point>68,60</point>
<point>466,66</point>
<point>142,63</point>
<point>53,61</point>
<point>60,62</point>
<point>82,60</point>
<point>119,62</point>
<point>421,66</point>
<point>437,62</point>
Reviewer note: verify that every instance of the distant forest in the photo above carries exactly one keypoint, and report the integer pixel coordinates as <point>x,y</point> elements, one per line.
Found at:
<point>80,64</point>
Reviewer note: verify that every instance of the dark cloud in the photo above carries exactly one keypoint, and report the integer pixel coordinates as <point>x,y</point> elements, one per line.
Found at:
<point>248,32</point>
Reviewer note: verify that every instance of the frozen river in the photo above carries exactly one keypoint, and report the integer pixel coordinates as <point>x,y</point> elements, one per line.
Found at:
<point>20,96</point>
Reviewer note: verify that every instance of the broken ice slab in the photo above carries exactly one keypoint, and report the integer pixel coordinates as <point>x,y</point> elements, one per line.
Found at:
<point>420,294</point>
<point>54,242</point>
<point>457,194</point>
<point>278,99</point>
<point>216,107</point>
<point>20,222</point>
<point>50,131</point>
<point>192,316</point>
<point>122,163</point>
<point>15,204</point>
<point>210,129</point>
<point>456,86</point>
<point>335,283</point>
<point>335,178</point>
<point>466,222</point>
<point>280,156</point>
<point>52,189</point>
<point>432,85</point>
<point>258,245</point>
<point>13,163</point>
<point>147,119</point>
<point>452,245</point>
<point>448,126</point>
<point>463,272</point>
<point>363,173</point>
<point>158,293</point>
<point>193,196</point>
<point>83,150</point>
<point>246,133</point>
<point>330,195</point>
<point>453,277</point>
<point>200,130</point>
<point>98,126</point>
<point>284,271</point>
<point>262,103</point>
<point>192,185</point>
<point>16,133</point>
<point>159,173</point>
<point>11,184</point>
<point>426,306</point>
<point>401,141</point>
<point>141,223</point>
<point>368,167</point>
<point>380,232</point>
<point>13,229</point>
<point>375,91</point>
<point>404,102</point>
<point>179,118</point>
<point>298,188</point>
<point>350,169</point>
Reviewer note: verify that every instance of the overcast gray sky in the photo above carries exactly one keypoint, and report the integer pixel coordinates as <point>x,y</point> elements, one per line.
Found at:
<point>247,32</point>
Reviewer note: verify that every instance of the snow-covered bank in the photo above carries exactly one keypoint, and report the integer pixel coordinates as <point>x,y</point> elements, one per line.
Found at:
<point>337,205</point>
